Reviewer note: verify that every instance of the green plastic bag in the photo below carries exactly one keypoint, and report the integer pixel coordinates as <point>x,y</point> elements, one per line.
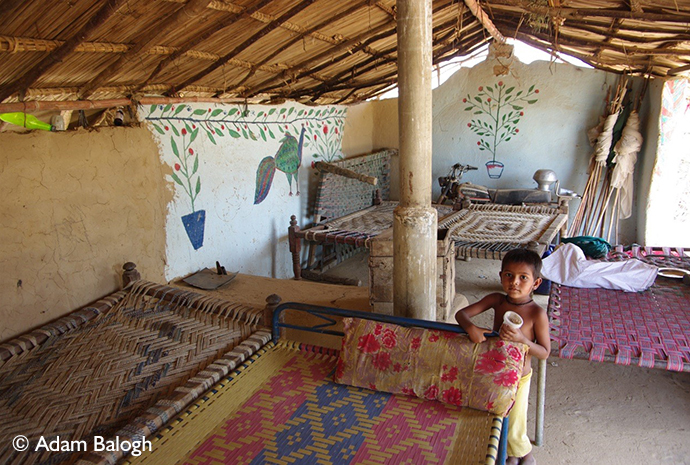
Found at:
<point>593,247</point>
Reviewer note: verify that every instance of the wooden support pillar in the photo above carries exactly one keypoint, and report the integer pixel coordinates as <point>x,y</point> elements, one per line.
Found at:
<point>415,221</point>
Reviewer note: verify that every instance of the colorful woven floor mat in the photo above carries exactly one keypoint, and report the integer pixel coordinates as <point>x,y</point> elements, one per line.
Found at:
<point>282,408</point>
<point>650,328</point>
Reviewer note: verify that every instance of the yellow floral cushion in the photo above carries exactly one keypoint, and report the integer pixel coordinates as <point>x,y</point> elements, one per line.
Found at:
<point>430,364</point>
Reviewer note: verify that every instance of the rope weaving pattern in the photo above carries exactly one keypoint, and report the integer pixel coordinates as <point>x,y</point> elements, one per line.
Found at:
<point>650,328</point>
<point>337,196</point>
<point>499,224</point>
<point>152,350</point>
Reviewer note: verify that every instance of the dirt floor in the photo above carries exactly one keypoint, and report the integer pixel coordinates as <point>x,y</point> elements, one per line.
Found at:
<point>596,413</point>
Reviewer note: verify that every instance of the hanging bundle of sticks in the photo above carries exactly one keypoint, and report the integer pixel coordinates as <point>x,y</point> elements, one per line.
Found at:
<point>607,197</point>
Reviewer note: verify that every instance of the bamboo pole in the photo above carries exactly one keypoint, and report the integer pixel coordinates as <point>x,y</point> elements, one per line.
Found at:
<point>193,42</point>
<point>577,220</point>
<point>164,24</point>
<point>33,74</point>
<point>481,16</point>
<point>247,43</point>
<point>604,207</point>
<point>101,104</point>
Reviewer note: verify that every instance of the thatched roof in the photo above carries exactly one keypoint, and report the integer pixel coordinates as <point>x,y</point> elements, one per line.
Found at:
<point>320,51</point>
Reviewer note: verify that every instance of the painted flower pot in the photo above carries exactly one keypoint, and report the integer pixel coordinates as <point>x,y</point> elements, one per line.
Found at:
<point>494,169</point>
<point>194,225</point>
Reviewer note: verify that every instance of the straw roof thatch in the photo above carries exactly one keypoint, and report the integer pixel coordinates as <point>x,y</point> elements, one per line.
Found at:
<point>314,51</point>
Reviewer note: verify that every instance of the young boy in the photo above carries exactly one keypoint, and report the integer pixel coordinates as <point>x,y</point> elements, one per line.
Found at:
<point>519,278</point>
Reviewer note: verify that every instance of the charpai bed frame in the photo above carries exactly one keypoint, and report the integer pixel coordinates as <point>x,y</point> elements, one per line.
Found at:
<point>281,407</point>
<point>349,212</point>
<point>358,193</point>
<point>120,367</point>
<point>152,360</point>
<point>491,230</point>
<point>650,329</point>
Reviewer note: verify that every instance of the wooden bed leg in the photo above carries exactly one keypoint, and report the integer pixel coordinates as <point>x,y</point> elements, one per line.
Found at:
<point>541,387</point>
<point>295,247</point>
<point>130,274</point>
<point>272,301</point>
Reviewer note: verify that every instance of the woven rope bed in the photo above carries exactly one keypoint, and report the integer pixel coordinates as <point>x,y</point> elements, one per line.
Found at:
<point>348,215</point>
<point>490,231</point>
<point>281,406</point>
<point>359,227</point>
<point>650,329</point>
<point>123,366</point>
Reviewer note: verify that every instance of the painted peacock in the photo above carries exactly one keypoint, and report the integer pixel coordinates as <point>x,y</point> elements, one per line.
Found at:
<point>288,160</point>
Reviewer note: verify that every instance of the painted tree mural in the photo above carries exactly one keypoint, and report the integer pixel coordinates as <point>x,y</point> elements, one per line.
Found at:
<point>497,111</point>
<point>313,131</point>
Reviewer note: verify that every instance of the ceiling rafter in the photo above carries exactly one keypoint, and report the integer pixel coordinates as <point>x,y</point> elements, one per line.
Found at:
<point>351,46</point>
<point>265,18</point>
<point>626,34</point>
<point>240,48</point>
<point>388,78</point>
<point>575,13</point>
<point>305,65</point>
<point>482,17</point>
<point>57,55</point>
<point>299,38</point>
<point>387,57</point>
<point>162,26</point>
<point>568,40</point>
<point>199,38</point>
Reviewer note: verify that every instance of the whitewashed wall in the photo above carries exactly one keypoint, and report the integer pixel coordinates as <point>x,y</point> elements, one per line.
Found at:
<point>219,175</point>
<point>551,132</point>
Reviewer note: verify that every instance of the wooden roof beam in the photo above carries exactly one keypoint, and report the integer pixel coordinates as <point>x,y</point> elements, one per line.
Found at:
<point>32,75</point>
<point>307,64</point>
<point>623,34</point>
<point>387,80</point>
<point>338,85</point>
<point>575,13</point>
<point>163,25</point>
<point>369,37</point>
<point>567,39</point>
<point>307,71</point>
<point>602,64</point>
<point>485,21</point>
<point>385,59</point>
<point>300,37</point>
<point>203,36</point>
<point>247,43</point>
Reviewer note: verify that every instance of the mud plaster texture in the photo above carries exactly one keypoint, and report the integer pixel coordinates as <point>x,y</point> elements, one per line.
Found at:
<point>75,207</point>
<point>596,413</point>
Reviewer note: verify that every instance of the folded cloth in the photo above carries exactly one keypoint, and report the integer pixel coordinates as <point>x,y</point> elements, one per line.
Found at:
<point>568,265</point>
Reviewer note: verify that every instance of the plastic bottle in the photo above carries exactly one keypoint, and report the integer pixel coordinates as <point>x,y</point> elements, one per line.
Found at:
<point>24,120</point>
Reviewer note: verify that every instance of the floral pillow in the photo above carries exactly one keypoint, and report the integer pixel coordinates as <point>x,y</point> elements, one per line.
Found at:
<point>430,364</point>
